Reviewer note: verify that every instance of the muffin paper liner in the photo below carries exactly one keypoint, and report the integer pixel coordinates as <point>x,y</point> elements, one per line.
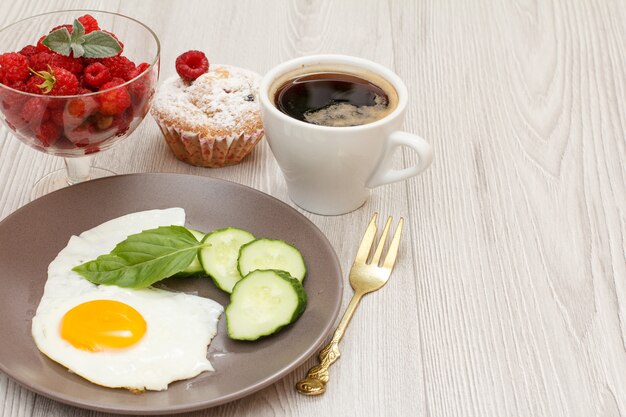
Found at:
<point>211,152</point>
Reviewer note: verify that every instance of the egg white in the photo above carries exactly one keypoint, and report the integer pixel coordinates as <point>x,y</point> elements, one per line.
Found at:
<point>179,326</point>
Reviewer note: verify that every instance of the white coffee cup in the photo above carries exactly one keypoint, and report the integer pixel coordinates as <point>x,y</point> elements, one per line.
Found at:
<point>330,170</point>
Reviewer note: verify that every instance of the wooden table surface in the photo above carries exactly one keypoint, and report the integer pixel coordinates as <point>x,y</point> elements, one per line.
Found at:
<point>509,297</point>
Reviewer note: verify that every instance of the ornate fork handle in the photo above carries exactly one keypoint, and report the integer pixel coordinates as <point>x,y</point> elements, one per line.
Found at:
<point>315,381</point>
<point>365,277</point>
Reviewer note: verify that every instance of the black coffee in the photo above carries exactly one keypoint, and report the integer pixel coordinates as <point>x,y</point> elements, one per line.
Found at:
<point>332,99</point>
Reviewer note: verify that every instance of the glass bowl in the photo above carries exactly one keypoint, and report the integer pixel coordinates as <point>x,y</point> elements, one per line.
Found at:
<point>78,126</point>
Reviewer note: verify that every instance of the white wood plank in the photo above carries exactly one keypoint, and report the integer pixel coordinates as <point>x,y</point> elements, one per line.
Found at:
<point>523,231</point>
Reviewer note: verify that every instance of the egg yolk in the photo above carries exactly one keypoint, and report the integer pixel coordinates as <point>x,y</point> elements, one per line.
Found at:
<point>102,325</point>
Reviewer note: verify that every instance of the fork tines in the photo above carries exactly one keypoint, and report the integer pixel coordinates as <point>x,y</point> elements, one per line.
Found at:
<point>368,242</point>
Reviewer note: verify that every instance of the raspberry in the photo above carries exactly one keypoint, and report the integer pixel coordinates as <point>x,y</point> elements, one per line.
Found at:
<point>96,74</point>
<point>11,104</point>
<point>18,85</point>
<point>28,51</point>
<point>14,67</point>
<point>75,112</point>
<point>139,87</point>
<point>14,120</point>
<point>56,115</point>
<point>139,69</point>
<point>82,107</point>
<point>73,65</point>
<point>68,27</point>
<point>32,85</point>
<point>40,61</point>
<point>89,23</point>
<point>55,82</point>
<point>66,83</point>
<point>40,46</point>
<point>122,121</point>
<point>47,133</point>
<point>11,101</point>
<point>191,65</point>
<point>114,101</point>
<point>92,149</point>
<point>119,66</point>
<point>35,111</point>
<point>116,80</point>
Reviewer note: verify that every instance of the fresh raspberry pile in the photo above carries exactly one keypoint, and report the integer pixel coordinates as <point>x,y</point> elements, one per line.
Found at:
<point>67,123</point>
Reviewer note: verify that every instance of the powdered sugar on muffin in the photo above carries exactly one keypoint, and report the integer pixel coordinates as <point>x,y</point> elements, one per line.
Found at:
<point>219,105</point>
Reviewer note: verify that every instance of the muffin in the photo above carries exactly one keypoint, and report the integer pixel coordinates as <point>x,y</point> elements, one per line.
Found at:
<point>212,121</point>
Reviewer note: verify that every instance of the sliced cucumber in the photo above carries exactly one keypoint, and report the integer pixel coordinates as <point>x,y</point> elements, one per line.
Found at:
<point>219,257</point>
<point>194,268</point>
<point>271,254</point>
<point>262,303</point>
<point>197,234</point>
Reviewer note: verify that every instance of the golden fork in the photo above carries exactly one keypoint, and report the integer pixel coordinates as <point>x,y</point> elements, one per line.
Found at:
<point>364,278</point>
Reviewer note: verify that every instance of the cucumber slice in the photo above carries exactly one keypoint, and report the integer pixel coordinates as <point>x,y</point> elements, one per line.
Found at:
<point>197,234</point>
<point>219,257</point>
<point>194,268</point>
<point>262,303</point>
<point>271,254</point>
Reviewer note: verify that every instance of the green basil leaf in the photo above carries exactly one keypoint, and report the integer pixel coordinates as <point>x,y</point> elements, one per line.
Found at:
<point>144,258</point>
<point>58,41</point>
<point>99,44</point>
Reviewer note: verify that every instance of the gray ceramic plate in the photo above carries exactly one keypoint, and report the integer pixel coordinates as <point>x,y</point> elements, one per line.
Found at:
<point>32,236</point>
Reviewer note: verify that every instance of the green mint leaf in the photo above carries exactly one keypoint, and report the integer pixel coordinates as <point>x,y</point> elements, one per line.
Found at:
<point>99,44</point>
<point>77,50</point>
<point>59,41</point>
<point>77,39</point>
<point>144,258</point>
<point>78,31</point>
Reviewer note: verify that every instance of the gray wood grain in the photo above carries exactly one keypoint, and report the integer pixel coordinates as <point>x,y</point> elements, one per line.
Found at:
<point>509,298</point>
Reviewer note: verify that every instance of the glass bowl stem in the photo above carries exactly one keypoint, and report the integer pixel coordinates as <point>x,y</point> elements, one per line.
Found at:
<point>78,169</point>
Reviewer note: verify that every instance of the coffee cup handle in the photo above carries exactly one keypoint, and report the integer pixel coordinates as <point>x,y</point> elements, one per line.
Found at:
<point>384,172</point>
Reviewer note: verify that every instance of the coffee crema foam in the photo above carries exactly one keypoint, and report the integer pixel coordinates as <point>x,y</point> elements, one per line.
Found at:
<point>346,114</point>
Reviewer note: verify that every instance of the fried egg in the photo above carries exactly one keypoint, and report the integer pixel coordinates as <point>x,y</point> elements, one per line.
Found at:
<point>139,339</point>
